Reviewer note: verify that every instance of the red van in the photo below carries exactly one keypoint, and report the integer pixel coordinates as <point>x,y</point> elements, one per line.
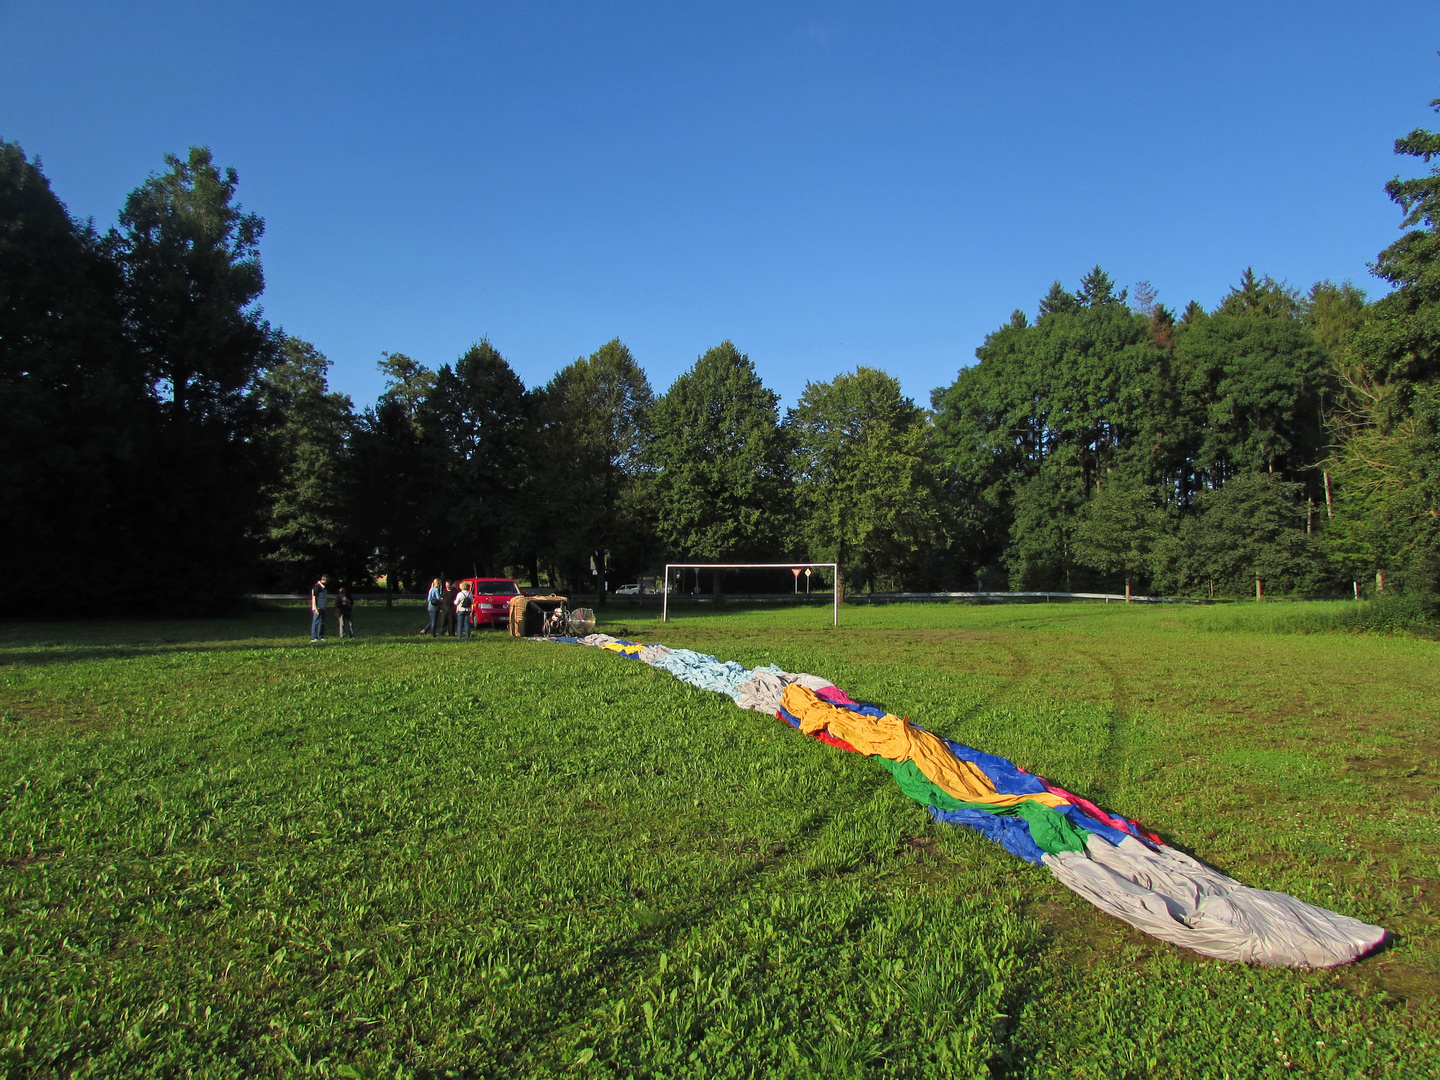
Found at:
<point>490,605</point>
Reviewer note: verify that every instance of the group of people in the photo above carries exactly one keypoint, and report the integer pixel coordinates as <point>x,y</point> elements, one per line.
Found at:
<point>344,608</point>
<point>448,605</point>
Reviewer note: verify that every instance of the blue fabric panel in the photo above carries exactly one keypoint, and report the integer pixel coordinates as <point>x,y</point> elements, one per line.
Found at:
<point>1003,773</point>
<point>1011,833</point>
<point>703,671</point>
<point>863,709</point>
<point>1083,820</point>
<point>788,718</point>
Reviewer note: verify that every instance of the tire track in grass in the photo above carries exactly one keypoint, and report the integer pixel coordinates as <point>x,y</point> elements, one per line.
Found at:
<point>1118,728</point>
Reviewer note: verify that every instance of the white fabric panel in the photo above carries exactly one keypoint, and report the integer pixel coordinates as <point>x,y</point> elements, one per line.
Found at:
<point>812,682</point>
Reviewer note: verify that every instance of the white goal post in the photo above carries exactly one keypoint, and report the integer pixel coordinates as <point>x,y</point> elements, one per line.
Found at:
<point>791,566</point>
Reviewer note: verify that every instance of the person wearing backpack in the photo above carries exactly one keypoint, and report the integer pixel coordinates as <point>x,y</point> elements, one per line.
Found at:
<point>463,602</point>
<point>433,600</point>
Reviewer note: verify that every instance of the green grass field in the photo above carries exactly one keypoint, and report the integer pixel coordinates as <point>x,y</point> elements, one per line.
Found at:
<point>229,853</point>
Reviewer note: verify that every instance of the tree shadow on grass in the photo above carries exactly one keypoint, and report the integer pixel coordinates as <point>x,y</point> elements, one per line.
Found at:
<point>43,655</point>
<point>82,654</point>
<point>570,993</point>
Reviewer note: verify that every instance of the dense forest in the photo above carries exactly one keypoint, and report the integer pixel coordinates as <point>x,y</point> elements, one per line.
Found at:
<point>163,443</point>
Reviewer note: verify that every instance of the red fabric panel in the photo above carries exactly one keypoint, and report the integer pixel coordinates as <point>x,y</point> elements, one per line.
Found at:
<point>825,736</point>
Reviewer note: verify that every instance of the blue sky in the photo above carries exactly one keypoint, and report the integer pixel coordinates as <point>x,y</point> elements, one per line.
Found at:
<point>827,185</point>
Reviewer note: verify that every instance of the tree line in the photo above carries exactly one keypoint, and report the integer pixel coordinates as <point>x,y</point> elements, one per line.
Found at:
<point>161,439</point>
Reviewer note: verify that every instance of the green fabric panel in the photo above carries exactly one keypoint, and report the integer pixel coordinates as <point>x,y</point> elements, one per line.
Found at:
<point>1051,831</point>
<point>917,785</point>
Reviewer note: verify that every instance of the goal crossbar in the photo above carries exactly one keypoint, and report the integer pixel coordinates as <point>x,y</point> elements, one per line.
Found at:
<point>792,566</point>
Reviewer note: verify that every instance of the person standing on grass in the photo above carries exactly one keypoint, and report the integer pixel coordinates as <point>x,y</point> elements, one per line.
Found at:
<point>345,608</point>
<point>447,610</point>
<point>317,608</point>
<point>433,600</point>
<point>462,612</point>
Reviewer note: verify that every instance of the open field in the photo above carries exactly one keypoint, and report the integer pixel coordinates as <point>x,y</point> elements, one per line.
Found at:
<point>229,853</point>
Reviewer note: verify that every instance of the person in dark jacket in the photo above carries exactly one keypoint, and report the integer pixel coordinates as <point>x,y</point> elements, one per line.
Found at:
<point>345,609</point>
<point>317,608</point>
<point>447,610</point>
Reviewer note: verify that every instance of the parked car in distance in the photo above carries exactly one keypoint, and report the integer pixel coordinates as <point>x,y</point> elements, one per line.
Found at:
<point>628,590</point>
<point>491,604</point>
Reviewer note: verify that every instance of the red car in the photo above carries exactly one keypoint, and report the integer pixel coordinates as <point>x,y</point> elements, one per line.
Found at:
<point>491,603</point>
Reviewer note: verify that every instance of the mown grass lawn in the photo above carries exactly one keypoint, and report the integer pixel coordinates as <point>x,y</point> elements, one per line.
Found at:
<point>229,853</point>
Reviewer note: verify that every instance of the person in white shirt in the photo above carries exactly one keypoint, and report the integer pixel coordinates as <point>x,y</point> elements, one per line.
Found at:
<point>463,602</point>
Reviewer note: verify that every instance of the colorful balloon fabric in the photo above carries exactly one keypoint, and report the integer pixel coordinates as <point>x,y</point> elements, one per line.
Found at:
<point>1108,860</point>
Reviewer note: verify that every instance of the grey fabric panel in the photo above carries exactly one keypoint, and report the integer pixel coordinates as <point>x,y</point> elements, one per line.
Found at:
<point>1177,899</point>
<point>598,640</point>
<point>650,653</point>
<point>764,689</point>
<point>761,692</point>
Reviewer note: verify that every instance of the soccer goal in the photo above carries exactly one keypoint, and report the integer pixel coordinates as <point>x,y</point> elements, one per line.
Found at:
<point>795,568</point>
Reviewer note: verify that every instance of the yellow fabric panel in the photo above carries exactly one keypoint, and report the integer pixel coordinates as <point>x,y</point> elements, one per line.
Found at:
<point>628,650</point>
<point>897,739</point>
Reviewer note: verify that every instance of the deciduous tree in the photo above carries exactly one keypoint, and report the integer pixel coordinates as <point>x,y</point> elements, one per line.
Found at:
<point>1118,529</point>
<point>867,478</point>
<point>1253,527</point>
<point>1253,389</point>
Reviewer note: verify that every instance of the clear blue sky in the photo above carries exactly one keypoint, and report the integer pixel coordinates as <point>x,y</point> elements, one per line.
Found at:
<point>826,184</point>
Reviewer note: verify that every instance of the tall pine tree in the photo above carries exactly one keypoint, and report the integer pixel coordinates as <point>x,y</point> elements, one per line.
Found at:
<point>717,461</point>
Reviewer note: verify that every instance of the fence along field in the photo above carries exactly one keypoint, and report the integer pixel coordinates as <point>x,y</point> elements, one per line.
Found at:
<point>230,854</point>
